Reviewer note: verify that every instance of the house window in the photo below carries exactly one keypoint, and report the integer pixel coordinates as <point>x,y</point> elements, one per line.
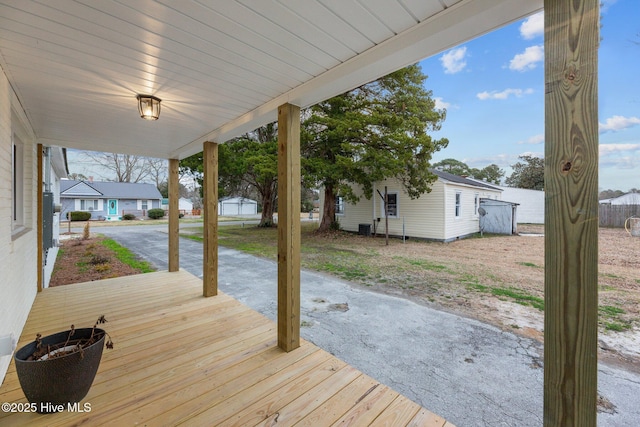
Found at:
<point>392,205</point>
<point>339,206</point>
<point>476,204</point>
<point>89,205</point>
<point>458,204</point>
<point>17,186</point>
<point>145,205</point>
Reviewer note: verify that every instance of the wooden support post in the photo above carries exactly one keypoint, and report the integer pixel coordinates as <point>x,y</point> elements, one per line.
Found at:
<point>571,212</point>
<point>210,217</point>
<point>288,227</point>
<point>174,218</point>
<point>40,219</point>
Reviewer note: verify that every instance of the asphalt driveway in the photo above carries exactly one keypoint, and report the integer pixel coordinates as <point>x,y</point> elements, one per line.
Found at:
<point>470,373</point>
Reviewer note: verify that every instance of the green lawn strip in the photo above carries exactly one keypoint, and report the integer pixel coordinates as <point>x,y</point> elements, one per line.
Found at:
<point>126,256</point>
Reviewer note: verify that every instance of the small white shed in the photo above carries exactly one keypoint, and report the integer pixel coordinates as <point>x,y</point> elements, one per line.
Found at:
<point>498,216</point>
<point>237,206</point>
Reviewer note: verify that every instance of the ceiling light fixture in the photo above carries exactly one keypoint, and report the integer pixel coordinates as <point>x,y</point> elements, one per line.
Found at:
<point>149,107</point>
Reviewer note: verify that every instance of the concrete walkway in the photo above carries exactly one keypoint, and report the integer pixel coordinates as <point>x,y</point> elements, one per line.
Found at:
<point>470,373</point>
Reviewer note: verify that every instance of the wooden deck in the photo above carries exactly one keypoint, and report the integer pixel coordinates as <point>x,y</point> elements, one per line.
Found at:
<point>180,358</point>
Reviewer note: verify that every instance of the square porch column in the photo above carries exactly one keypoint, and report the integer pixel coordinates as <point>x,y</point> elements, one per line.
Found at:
<point>571,212</point>
<point>288,227</point>
<point>210,217</point>
<point>174,216</point>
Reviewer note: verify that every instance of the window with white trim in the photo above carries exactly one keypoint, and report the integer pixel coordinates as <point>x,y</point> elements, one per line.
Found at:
<point>392,205</point>
<point>476,204</point>
<point>339,206</point>
<point>89,205</point>
<point>17,184</point>
<point>458,204</point>
<point>144,205</point>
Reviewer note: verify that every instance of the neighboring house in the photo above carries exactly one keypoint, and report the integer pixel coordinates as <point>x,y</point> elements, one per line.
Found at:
<point>237,206</point>
<point>448,212</point>
<point>625,199</point>
<point>109,200</point>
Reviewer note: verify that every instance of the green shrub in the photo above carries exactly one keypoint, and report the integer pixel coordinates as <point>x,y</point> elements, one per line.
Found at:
<point>128,217</point>
<point>156,213</point>
<point>181,215</point>
<point>79,216</point>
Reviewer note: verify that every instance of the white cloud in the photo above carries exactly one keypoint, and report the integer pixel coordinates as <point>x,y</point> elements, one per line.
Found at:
<point>533,26</point>
<point>504,94</point>
<point>527,60</point>
<point>454,60</point>
<point>606,4</point>
<point>440,103</point>
<point>608,149</point>
<point>535,139</point>
<point>617,123</point>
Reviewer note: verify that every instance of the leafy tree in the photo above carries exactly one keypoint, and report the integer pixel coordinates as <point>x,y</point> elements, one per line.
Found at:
<point>491,173</point>
<point>453,166</point>
<point>376,131</point>
<point>247,165</point>
<point>527,174</point>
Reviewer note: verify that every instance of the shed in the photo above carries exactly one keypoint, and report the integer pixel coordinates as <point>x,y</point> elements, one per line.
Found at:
<point>237,206</point>
<point>498,216</point>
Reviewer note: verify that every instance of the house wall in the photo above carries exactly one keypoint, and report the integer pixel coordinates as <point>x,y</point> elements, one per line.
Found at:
<point>237,206</point>
<point>431,216</point>
<point>54,178</point>
<point>531,204</point>
<point>468,221</point>
<point>18,256</point>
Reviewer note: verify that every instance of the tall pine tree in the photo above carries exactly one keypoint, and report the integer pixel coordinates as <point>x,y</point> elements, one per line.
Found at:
<point>376,131</point>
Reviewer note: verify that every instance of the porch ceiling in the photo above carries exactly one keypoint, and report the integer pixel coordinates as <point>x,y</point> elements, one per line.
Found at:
<point>221,68</point>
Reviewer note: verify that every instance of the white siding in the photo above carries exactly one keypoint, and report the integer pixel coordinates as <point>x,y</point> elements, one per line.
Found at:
<point>18,282</point>
<point>431,216</point>
<point>530,204</point>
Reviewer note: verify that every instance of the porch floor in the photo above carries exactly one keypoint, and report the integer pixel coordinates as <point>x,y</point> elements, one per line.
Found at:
<point>180,358</point>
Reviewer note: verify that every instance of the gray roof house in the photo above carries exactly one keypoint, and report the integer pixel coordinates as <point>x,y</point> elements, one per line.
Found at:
<point>109,200</point>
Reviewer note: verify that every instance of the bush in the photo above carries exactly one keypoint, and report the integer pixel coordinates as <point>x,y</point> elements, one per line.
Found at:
<point>128,217</point>
<point>79,216</point>
<point>155,213</point>
<point>181,215</point>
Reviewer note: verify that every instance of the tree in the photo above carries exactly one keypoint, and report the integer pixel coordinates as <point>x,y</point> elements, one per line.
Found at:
<point>376,131</point>
<point>492,174</point>
<point>453,166</point>
<point>251,163</point>
<point>247,165</point>
<point>77,177</point>
<point>527,174</point>
<point>124,167</point>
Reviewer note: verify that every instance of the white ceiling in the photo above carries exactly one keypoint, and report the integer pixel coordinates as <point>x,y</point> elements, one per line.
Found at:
<point>221,67</point>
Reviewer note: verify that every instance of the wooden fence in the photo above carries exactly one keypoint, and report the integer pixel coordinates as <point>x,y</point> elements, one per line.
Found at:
<point>616,215</point>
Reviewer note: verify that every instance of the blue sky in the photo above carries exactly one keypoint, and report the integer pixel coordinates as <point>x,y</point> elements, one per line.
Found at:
<point>493,90</point>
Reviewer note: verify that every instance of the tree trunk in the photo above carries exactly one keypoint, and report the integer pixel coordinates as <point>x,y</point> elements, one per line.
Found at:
<point>266,220</point>
<point>328,209</point>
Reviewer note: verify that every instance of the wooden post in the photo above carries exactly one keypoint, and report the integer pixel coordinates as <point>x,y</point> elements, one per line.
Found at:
<point>571,212</point>
<point>40,220</point>
<point>174,219</point>
<point>210,219</point>
<point>288,227</point>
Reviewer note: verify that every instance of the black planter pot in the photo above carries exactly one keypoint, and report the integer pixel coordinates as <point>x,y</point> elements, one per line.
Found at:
<point>60,380</point>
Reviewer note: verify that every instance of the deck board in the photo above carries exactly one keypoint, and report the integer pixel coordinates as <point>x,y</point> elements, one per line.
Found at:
<point>180,358</point>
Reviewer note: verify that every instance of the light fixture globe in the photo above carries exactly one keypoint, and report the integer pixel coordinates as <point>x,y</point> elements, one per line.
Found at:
<point>149,107</point>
